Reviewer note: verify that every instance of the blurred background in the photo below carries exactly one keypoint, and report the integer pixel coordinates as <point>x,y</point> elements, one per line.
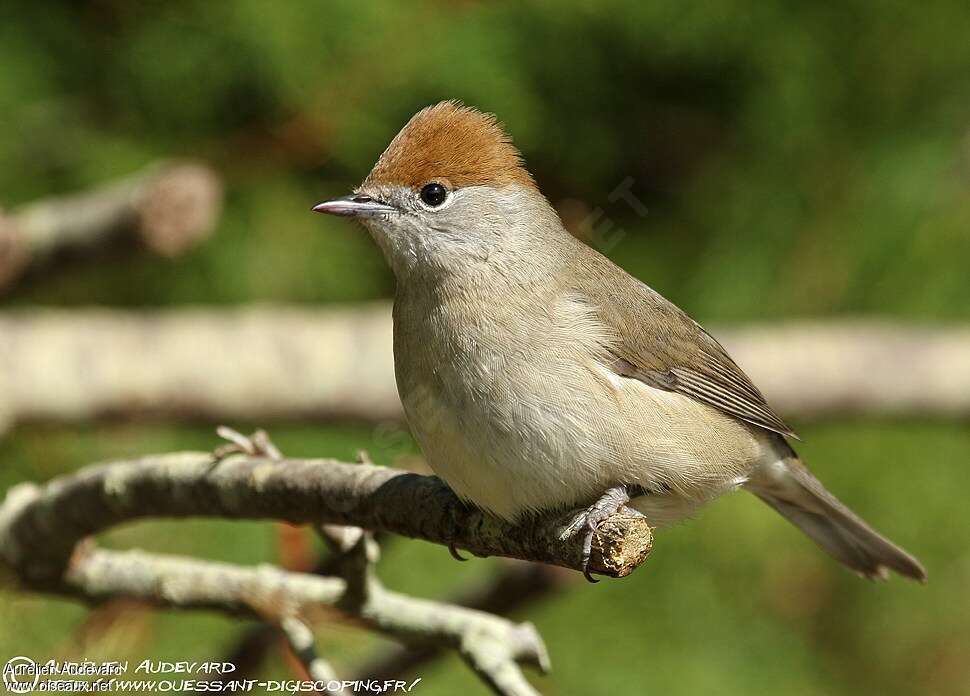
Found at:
<point>797,161</point>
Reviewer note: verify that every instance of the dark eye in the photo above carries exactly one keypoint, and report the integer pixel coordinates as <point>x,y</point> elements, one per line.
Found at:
<point>434,194</point>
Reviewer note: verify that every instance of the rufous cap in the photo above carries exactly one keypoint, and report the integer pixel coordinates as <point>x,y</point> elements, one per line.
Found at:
<point>454,144</point>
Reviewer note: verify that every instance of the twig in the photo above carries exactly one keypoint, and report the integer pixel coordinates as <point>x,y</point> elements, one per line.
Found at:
<point>256,445</point>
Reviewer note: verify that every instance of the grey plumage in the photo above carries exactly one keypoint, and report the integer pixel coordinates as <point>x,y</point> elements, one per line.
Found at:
<point>536,374</point>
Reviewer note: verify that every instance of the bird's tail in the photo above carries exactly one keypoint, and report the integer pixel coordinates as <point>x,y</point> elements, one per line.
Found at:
<point>790,488</point>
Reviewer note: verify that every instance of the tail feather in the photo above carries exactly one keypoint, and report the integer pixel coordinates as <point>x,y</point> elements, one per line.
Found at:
<point>791,489</point>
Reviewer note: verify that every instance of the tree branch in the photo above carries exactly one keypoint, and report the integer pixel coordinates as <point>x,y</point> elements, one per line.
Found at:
<point>170,206</point>
<point>44,530</point>
<point>492,645</point>
<point>517,585</point>
<point>40,525</point>
<point>300,639</point>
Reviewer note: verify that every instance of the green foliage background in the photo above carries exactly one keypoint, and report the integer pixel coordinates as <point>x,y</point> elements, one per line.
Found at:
<point>796,159</point>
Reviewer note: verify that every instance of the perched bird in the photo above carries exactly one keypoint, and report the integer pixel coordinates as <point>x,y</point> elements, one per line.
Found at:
<point>536,374</point>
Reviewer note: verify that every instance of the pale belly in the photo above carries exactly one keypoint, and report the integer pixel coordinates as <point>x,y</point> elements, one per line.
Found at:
<point>561,438</point>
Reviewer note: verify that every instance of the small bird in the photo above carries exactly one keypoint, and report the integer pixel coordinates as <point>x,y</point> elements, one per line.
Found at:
<point>536,374</point>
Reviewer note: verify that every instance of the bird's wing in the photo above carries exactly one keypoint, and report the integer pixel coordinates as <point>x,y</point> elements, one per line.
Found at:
<point>658,344</point>
<point>708,376</point>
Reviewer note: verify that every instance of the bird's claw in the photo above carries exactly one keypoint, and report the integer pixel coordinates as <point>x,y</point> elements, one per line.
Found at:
<point>453,550</point>
<point>590,519</point>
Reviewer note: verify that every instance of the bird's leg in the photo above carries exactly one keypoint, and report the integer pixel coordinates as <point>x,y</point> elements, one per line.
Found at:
<point>587,521</point>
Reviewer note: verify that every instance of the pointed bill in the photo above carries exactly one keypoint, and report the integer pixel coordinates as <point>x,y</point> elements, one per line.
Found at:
<point>354,206</point>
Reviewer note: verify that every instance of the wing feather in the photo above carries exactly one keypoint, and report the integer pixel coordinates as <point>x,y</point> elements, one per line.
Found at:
<point>657,343</point>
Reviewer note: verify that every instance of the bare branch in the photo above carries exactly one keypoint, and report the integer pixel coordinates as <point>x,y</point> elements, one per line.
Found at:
<point>256,642</point>
<point>40,525</point>
<point>300,638</point>
<point>43,538</point>
<point>493,646</point>
<point>170,206</point>
<point>43,528</point>
<point>517,585</point>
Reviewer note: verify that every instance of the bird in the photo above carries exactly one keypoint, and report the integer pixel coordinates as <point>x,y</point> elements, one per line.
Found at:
<point>536,374</point>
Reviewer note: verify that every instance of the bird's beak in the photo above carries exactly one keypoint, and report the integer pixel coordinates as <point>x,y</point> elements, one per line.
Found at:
<point>354,205</point>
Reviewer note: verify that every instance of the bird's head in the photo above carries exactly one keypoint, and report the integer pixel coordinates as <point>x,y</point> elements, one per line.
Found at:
<point>450,189</point>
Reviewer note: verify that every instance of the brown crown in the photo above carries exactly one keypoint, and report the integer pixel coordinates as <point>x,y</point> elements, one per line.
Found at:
<point>451,143</point>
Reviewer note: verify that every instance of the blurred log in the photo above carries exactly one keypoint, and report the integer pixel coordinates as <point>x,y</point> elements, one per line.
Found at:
<point>170,206</point>
<point>265,363</point>
<point>253,364</point>
<point>811,370</point>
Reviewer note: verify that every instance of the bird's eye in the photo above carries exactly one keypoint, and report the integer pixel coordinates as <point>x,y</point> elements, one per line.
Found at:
<point>434,194</point>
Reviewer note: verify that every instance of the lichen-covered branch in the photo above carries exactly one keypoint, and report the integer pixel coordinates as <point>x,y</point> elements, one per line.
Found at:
<point>493,645</point>
<point>517,585</point>
<point>170,206</point>
<point>41,524</point>
<point>265,363</point>
<point>301,642</point>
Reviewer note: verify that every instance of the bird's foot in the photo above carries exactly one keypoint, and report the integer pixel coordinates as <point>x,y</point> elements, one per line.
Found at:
<point>589,519</point>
